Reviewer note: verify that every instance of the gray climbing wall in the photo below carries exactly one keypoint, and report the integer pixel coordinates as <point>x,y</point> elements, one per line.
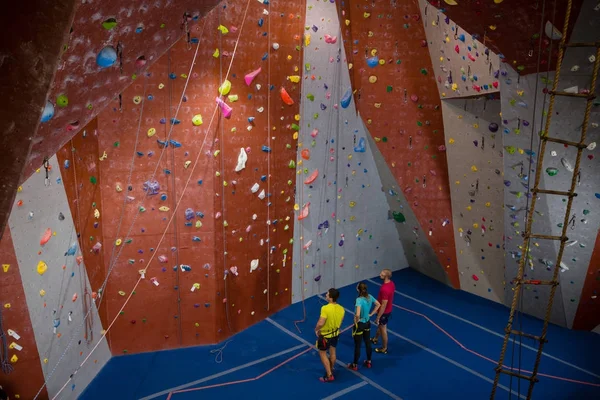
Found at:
<point>60,292</point>
<point>523,105</point>
<point>463,66</point>
<point>348,227</point>
<point>474,151</point>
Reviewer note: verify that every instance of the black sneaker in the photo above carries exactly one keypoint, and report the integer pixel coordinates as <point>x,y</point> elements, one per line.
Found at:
<point>367,364</point>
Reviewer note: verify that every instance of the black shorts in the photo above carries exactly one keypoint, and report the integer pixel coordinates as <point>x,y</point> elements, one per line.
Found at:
<point>385,318</point>
<point>324,343</point>
<point>361,328</point>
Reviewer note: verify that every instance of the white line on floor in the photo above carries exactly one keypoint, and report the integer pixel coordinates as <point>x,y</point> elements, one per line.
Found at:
<point>451,361</point>
<point>220,374</point>
<point>361,376</point>
<point>486,329</point>
<point>345,391</point>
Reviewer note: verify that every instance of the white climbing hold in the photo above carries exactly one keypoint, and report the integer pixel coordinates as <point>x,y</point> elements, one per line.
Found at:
<point>591,146</point>
<point>553,153</point>
<point>572,89</point>
<point>262,194</point>
<point>551,31</point>
<point>242,158</point>
<point>254,188</point>
<point>275,46</point>
<point>253,265</point>
<point>566,164</point>
<point>575,68</point>
<point>592,58</point>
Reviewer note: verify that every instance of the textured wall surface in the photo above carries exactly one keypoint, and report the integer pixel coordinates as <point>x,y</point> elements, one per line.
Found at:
<point>518,107</point>
<point>474,143</point>
<point>26,376</point>
<point>27,66</point>
<point>347,234</point>
<point>109,45</point>
<point>218,213</point>
<point>58,294</point>
<point>463,66</point>
<point>511,28</point>
<point>398,99</point>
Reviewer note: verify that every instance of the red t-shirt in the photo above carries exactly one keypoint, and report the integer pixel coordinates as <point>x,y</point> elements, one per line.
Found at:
<point>387,293</point>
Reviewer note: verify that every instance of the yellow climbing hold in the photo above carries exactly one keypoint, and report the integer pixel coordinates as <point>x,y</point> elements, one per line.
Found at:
<point>451,2</point>
<point>118,242</point>
<point>307,39</point>
<point>42,267</point>
<point>296,207</point>
<point>196,120</point>
<point>294,78</point>
<point>151,132</point>
<point>223,30</point>
<point>187,164</point>
<point>488,204</point>
<point>42,292</point>
<point>372,79</point>
<point>216,54</point>
<point>225,88</point>
<point>122,293</point>
<point>164,208</point>
<point>5,267</point>
<point>366,15</point>
<point>474,168</point>
<point>451,141</point>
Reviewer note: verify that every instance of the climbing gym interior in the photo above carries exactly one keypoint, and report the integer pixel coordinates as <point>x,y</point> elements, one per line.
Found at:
<point>184,181</point>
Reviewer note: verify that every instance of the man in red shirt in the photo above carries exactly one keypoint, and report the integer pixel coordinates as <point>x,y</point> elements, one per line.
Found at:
<point>386,298</point>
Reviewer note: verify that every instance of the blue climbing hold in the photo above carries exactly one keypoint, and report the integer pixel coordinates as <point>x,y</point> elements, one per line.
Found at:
<point>347,99</point>
<point>107,57</point>
<point>48,112</point>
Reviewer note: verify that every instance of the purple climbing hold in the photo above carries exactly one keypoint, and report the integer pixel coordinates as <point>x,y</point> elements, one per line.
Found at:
<point>189,214</point>
<point>493,127</point>
<point>152,187</point>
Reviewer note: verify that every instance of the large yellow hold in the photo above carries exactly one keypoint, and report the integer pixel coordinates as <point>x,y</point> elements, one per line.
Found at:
<point>225,88</point>
<point>42,267</point>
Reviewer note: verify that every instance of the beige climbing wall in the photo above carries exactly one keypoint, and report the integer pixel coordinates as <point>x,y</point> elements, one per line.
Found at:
<point>474,151</point>
<point>463,66</point>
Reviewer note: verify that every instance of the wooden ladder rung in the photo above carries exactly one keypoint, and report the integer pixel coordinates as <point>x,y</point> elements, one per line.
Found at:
<point>565,142</point>
<point>517,375</point>
<point>528,335</point>
<point>548,237</point>
<point>588,96</point>
<point>555,192</point>
<point>583,44</point>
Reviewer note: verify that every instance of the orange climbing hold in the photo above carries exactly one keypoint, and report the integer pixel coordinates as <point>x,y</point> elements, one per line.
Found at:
<point>286,97</point>
<point>46,237</point>
<point>312,177</point>
<point>305,153</point>
<point>304,212</point>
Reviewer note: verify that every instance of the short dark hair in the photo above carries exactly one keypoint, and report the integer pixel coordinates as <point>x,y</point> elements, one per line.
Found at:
<point>334,294</point>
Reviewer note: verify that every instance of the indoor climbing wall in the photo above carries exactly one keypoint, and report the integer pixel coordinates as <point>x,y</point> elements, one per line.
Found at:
<point>475,168</point>
<point>462,65</point>
<point>254,158</point>
<point>58,294</point>
<point>202,199</point>
<point>525,104</point>
<point>109,46</point>
<point>343,230</point>
<point>21,366</point>
<point>398,100</point>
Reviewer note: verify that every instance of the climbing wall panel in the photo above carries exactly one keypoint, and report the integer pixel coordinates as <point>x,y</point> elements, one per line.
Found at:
<point>254,189</point>
<point>343,229</point>
<point>26,376</point>
<point>57,290</point>
<point>78,161</point>
<point>109,46</point>
<point>462,65</point>
<point>588,311</point>
<point>521,98</point>
<point>475,166</point>
<point>398,99</point>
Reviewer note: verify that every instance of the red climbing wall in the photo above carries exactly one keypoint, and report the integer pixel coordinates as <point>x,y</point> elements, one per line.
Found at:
<point>26,377</point>
<point>233,223</point>
<point>78,162</point>
<point>399,102</point>
<point>588,312</point>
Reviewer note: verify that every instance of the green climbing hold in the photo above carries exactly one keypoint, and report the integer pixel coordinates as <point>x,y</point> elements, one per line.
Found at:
<point>552,171</point>
<point>586,212</point>
<point>424,71</point>
<point>384,139</point>
<point>93,180</point>
<point>292,164</point>
<point>316,116</point>
<point>62,101</point>
<point>398,217</point>
<point>510,149</point>
<point>116,144</point>
<point>295,127</point>
<point>520,68</point>
<point>109,24</point>
<point>389,89</point>
<point>419,123</point>
<point>310,96</point>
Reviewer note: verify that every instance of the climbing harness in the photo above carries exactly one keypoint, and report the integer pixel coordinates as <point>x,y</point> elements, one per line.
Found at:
<point>570,194</point>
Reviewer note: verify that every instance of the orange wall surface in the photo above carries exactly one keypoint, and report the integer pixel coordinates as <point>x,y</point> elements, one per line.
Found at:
<point>588,312</point>
<point>402,110</point>
<point>236,227</point>
<point>26,377</point>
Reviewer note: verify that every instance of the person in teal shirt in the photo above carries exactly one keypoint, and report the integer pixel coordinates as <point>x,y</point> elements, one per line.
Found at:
<point>361,332</point>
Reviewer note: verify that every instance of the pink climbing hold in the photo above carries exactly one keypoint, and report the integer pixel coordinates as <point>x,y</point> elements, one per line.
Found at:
<point>250,77</point>
<point>314,133</point>
<point>312,177</point>
<point>225,109</point>
<point>304,212</point>
<point>46,237</point>
<point>457,49</point>
<point>414,98</point>
<point>475,277</point>
<point>330,39</point>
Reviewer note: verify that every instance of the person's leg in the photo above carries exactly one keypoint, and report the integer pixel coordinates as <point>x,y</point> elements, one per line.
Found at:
<point>325,361</point>
<point>383,331</point>
<point>357,341</point>
<point>333,353</point>
<point>368,344</point>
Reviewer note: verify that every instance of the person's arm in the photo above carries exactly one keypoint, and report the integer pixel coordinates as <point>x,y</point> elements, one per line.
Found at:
<point>384,301</point>
<point>357,314</point>
<point>320,324</point>
<point>376,308</point>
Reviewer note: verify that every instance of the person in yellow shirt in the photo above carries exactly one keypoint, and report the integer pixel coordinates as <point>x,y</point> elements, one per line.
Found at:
<point>328,332</point>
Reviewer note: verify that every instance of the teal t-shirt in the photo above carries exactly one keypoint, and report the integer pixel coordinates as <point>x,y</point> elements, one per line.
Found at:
<point>365,304</point>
